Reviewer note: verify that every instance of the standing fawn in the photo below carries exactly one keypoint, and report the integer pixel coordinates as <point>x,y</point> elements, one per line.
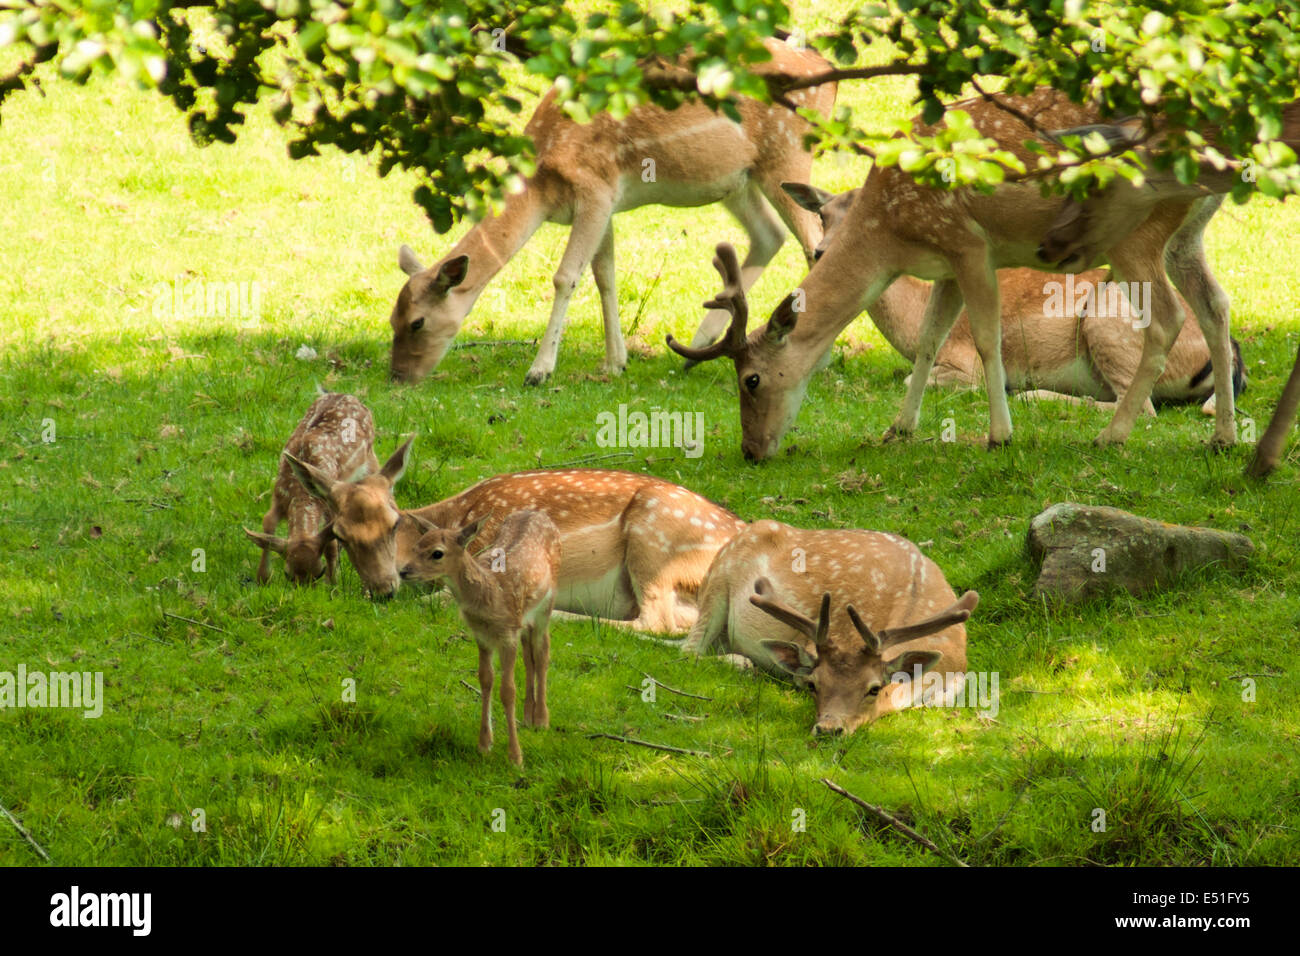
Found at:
<point>958,240</point>
<point>1051,345</point>
<point>588,172</point>
<point>336,437</point>
<point>504,600</point>
<point>838,612</point>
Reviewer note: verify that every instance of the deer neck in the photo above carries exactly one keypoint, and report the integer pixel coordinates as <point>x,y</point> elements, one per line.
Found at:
<point>495,240</point>
<point>478,591</point>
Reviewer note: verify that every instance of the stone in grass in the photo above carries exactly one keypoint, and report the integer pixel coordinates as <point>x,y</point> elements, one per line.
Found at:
<point>1088,551</point>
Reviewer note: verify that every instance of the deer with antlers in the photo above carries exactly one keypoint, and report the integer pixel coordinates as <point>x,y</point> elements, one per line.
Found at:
<point>634,548</point>
<point>505,601</point>
<point>336,437</point>
<point>586,173</point>
<point>1052,347</point>
<point>837,612</point>
<point>959,239</point>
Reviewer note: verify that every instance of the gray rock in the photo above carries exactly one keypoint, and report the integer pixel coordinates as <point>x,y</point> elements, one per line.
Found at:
<point>1087,551</point>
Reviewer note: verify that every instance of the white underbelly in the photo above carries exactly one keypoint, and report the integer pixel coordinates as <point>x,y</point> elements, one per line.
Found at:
<point>608,596</point>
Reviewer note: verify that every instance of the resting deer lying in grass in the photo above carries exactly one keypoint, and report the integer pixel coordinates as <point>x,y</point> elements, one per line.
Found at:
<point>635,548</point>
<point>504,600</point>
<point>337,437</point>
<point>838,612</point>
<point>1064,353</point>
<point>586,173</point>
<point>959,239</point>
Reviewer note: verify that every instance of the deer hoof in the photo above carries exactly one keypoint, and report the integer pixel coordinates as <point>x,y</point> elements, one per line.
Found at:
<point>996,443</point>
<point>1221,445</point>
<point>536,377</point>
<point>894,433</point>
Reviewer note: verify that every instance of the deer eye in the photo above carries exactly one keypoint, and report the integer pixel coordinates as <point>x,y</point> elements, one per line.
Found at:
<point>751,382</point>
<point>873,691</point>
<point>437,554</point>
<point>417,325</point>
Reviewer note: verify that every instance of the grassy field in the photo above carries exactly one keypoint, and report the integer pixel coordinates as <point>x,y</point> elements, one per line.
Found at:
<point>165,436</point>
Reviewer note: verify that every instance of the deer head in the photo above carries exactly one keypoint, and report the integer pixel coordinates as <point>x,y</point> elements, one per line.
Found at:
<point>829,207</point>
<point>365,518</point>
<point>440,552</point>
<point>770,390</point>
<point>429,312</point>
<point>849,671</point>
<point>303,554</point>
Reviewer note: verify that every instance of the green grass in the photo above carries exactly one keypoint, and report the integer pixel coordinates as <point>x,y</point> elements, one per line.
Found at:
<point>167,433</point>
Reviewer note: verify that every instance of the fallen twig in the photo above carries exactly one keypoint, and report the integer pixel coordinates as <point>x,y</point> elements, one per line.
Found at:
<point>674,690</point>
<point>190,620</point>
<point>646,743</point>
<point>470,687</point>
<point>491,343</point>
<point>888,818</point>
<point>22,831</point>
<point>591,458</point>
<point>671,716</point>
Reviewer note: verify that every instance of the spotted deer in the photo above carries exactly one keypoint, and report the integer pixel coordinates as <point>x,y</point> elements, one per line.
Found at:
<point>586,173</point>
<point>505,599</point>
<point>837,612</point>
<point>337,437</point>
<point>635,548</point>
<point>959,239</point>
<point>1049,352</point>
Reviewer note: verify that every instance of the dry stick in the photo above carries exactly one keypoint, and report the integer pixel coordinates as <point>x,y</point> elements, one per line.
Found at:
<point>470,687</point>
<point>190,620</point>
<point>589,458</point>
<point>1261,674</point>
<point>646,743</point>
<point>674,690</point>
<point>491,343</point>
<point>893,821</point>
<point>671,716</point>
<point>22,831</point>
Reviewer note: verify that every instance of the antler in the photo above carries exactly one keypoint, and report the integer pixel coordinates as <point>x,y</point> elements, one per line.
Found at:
<point>730,299</point>
<point>959,612</point>
<point>788,615</point>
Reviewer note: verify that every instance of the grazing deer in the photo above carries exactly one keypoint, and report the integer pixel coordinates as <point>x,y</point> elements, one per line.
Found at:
<point>364,517</point>
<point>838,612</point>
<point>959,239</point>
<point>1060,353</point>
<point>635,548</point>
<point>586,173</point>
<point>503,601</point>
<point>336,437</point>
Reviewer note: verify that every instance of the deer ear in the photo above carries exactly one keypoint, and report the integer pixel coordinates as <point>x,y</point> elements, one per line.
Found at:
<point>269,541</point>
<point>907,661</point>
<point>409,261</point>
<point>451,274</point>
<point>468,533</point>
<point>313,479</point>
<point>395,467</point>
<point>792,658</point>
<point>808,196</point>
<point>783,320</point>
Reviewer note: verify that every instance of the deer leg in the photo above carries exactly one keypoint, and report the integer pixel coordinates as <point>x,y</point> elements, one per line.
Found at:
<point>765,240</point>
<point>940,315</point>
<point>602,270</point>
<point>270,521</point>
<point>331,559</point>
<point>978,281</point>
<point>541,663</point>
<point>485,698</point>
<point>507,653</point>
<point>590,221</point>
<point>526,640</point>
<point>1185,263</point>
<point>1269,450</point>
<point>1113,350</point>
<point>1164,316</point>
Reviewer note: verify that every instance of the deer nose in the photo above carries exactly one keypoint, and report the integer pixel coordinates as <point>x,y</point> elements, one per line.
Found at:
<point>817,253</point>
<point>828,729</point>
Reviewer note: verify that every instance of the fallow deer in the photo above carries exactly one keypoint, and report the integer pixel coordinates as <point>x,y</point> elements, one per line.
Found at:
<point>1271,444</point>
<point>635,548</point>
<point>586,173</point>
<point>1059,353</point>
<point>959,239</point>
<point>337,437</point>
<point>838,612</point>
<point>504,601</point>
<point>364,517</point>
